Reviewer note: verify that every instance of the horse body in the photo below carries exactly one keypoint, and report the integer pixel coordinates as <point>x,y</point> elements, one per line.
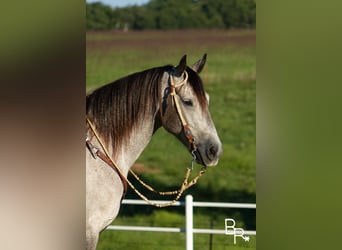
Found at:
<point>126,136</point>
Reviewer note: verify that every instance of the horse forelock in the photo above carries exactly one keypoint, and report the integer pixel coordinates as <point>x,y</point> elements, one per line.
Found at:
<point>118,107</point>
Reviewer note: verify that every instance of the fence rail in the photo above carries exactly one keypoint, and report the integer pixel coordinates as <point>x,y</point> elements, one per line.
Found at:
<point>189,230</point>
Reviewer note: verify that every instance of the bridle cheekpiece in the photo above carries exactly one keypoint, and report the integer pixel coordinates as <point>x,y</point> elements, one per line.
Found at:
<point>187,131</point>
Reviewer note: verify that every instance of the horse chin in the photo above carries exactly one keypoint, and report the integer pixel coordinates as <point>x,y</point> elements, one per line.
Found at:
<point>212,163</point>
<point>199,159</point>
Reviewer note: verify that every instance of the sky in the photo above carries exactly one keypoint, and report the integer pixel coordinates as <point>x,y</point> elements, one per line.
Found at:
<point>119,3</point>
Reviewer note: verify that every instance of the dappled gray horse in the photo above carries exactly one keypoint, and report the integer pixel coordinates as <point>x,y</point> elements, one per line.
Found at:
<point>125,114</point>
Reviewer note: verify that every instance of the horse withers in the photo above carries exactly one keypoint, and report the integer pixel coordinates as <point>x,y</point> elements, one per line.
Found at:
<point>125,114</point>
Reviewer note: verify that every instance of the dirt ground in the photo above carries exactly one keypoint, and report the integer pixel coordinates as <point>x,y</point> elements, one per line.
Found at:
<point>156,38</point>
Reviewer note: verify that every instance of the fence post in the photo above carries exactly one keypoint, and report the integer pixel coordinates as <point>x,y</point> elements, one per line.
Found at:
<point>189,222</point>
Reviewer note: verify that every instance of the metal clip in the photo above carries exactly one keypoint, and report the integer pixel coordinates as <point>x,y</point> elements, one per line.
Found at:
<point>193,158</point>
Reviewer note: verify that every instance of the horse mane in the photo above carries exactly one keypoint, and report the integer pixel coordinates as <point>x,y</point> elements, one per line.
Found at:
<point>116,108</point>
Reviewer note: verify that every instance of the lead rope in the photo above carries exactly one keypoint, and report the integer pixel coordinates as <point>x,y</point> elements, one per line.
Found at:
<point>185,185</point>
<point>179,191</point>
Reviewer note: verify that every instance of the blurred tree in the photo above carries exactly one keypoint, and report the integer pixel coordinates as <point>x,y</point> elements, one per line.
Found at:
<point>174,14</point>
<point>98,16</point>
<point>213,17</point>
<point>144,18</point>
<point>236,13</point>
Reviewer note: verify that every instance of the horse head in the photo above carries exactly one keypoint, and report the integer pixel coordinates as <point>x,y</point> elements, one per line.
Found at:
<point>185,112</point>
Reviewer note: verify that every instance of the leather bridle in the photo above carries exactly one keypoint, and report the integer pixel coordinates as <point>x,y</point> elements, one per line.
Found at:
<point>186,129</point>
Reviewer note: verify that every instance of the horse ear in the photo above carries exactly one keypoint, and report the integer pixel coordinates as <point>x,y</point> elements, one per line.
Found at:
<point>181,66</point>
<point>199,65</point>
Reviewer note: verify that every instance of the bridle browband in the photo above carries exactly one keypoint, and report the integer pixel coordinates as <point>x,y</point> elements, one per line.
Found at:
<point>95,152</point>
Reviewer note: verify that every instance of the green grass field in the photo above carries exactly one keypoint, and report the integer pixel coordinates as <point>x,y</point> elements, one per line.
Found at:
<point>170,241</point>
<point>230,80</point>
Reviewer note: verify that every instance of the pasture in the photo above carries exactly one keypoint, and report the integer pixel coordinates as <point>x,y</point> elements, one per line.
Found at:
<point>230,79</point>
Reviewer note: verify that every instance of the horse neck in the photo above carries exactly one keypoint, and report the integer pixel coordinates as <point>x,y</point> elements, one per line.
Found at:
<point>136,143</point>
<point>140,136</point>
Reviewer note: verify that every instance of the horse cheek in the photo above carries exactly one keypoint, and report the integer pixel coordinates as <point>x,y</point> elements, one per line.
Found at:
<point>171,122</point>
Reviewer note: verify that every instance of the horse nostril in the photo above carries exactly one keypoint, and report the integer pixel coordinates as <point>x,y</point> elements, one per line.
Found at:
<point>212,152</point>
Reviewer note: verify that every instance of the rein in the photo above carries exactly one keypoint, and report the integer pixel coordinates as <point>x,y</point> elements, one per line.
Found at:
<point>106,157</point>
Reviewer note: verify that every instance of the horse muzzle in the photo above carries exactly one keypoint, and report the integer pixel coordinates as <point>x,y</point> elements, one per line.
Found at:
<point>208,154</point>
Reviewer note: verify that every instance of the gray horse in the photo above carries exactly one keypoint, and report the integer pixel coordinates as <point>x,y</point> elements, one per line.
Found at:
<point>125,114</point>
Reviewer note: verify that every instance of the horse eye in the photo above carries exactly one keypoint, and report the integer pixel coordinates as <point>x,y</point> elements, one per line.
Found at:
<point>188,102</point>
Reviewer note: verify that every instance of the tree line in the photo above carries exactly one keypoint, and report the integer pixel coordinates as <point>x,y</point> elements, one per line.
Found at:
<point>173,14</point>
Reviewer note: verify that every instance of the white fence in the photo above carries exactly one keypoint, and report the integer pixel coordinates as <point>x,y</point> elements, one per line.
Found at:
<point>189,230</point>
